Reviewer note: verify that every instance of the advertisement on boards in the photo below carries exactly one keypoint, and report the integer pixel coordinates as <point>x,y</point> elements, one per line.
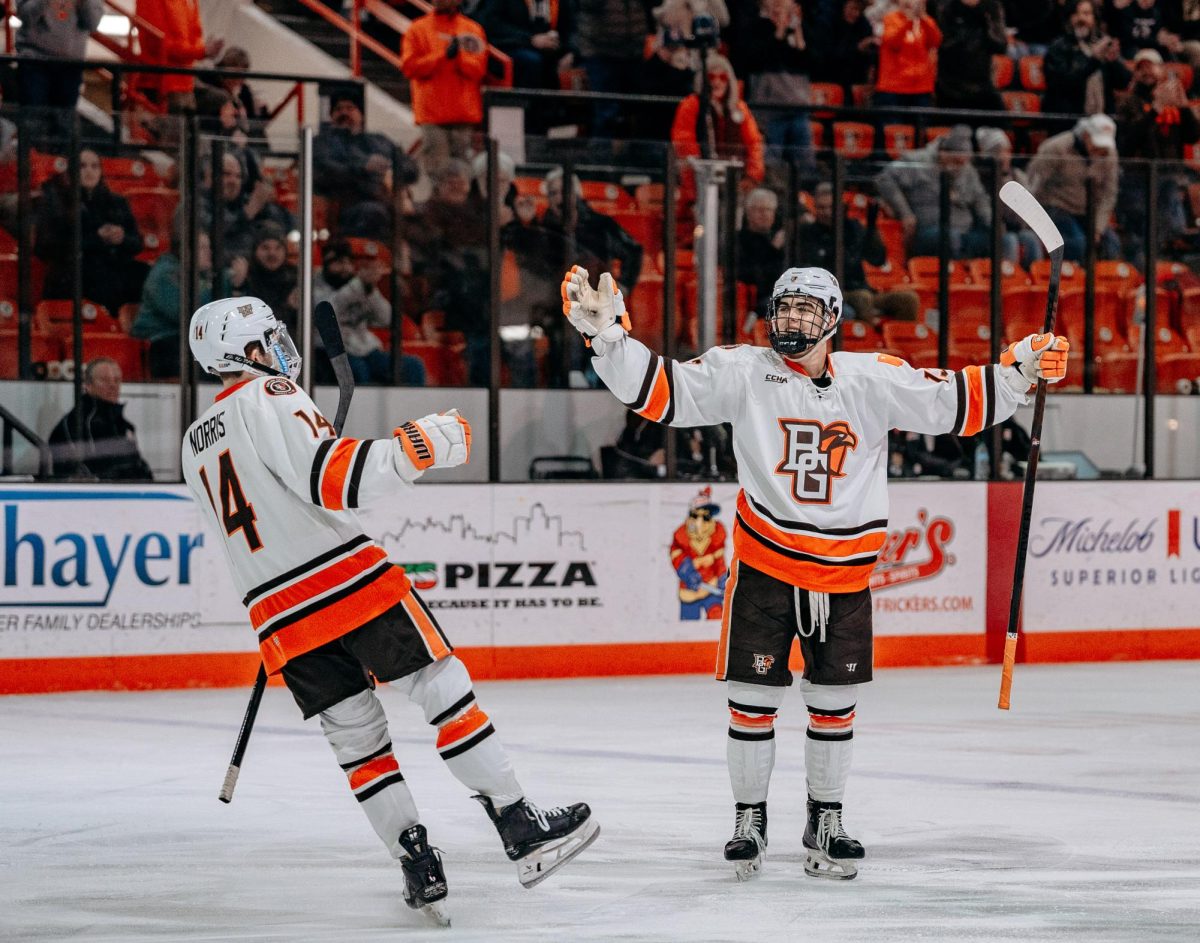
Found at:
<point>1113,555</point>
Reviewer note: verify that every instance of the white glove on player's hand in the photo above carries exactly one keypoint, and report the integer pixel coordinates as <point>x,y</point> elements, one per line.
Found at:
<point>440,440</point>
<point>593,312</point>
<point>1038,357</point>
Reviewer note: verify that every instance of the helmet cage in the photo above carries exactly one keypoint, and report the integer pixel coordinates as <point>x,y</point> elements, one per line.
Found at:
<point>808,321</point>
<point>278,345</point>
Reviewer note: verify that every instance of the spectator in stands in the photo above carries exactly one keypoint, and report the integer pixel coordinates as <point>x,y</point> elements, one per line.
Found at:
<point>444,56</point>
<point>353,168</point>
<point>972,32</point>
<point>448,238</point>
<point>760,246</point>
<point>729,128</point>
<point>911,186</point>
<point>600,242</point>
<point>1139,24</point>
<point>239,213</point>
<point>352,287</point>
<point>95,440</point>
<point>906,57</point>
<point>1034,24</point>
<point>611,36</point>
<point>861,243</point>
<point>110,271</point>
<point>779,76</point>
<point>672,66</point>
<point>176,41</point>
<point>267,275</point>
<point>1154,122</point>
<point>1083,68</point>
<point>53,29</point>
<point>227,120</point>
<point>852,51</point>
<point>228,78</point>
<point>1019,244</point>
<point>158,317</point>
<point>1058,176</point>
<point>535,34</point>
<point>1182,19</point>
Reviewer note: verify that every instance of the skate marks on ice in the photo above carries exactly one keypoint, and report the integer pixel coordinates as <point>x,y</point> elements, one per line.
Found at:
<point>1066,820</point>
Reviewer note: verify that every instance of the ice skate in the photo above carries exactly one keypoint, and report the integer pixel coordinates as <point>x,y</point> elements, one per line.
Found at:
<point>424,880</point>
<point>748,846</point>
<point>831,852</point>
<point>541,841</point>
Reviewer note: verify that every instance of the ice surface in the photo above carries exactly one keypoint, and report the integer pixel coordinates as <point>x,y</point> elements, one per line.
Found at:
<point>1074,816</point>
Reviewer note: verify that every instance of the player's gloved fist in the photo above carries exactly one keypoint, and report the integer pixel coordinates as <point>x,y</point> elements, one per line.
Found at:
<point>1038,357</point>
<point>440,440</point>
<point>593,311</point>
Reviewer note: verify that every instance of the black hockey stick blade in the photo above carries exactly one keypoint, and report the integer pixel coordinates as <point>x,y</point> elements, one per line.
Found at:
<point>239,749</point>
<point>326,322</point>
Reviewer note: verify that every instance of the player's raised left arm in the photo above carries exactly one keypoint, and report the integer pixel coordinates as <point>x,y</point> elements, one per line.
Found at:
<point>970,400</point>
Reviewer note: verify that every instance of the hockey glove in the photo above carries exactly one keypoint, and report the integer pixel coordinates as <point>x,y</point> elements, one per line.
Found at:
<point>594,312</point>
<point>440,440</point>
<point>1037,357</point>
<point>688,574</point>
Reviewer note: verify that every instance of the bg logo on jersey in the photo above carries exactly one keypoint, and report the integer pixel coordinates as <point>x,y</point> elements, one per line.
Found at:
<point>814,455</point>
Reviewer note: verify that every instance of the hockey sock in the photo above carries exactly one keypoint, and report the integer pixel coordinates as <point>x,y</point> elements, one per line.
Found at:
<point>828,747</point>
<point>356,728</point>
<point>466,738</point>
<point>750,749</point>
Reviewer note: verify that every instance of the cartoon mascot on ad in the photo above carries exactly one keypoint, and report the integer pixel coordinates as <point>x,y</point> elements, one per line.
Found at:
<point>698,556</point>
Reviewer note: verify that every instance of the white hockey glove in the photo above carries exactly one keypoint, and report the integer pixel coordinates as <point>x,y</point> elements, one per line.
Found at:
<point>440,440</point>
<point>1036,357</point>
<point>594,313</point>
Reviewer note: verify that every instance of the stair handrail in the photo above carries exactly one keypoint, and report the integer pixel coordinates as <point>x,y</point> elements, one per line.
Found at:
<point>12,424</point>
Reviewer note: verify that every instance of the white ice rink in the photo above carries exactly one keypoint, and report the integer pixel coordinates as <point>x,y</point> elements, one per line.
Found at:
<point>1076,816</point>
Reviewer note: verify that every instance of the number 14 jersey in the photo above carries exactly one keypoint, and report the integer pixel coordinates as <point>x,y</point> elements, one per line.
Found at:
<point>281,487</point>
<point>812,455</point>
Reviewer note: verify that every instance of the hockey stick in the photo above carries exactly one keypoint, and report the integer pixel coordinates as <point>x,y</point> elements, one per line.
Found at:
<point>1023,203</point>
<point>326,323</point>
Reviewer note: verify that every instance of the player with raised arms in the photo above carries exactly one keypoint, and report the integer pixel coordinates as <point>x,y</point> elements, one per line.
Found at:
<point>810,434</point>
<point>330,610</point>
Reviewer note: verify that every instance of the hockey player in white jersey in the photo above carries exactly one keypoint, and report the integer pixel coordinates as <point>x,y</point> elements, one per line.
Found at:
<point>329,609</point>
<point>810,431</point>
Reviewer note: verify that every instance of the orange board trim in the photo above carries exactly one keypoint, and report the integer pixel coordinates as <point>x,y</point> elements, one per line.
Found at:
<point>237,669</point>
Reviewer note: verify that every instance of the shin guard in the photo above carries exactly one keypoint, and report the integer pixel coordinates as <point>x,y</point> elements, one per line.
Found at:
<point>828,747</point>
<point>750,749</point>
<point>466,738</point>
<point>356,728</point>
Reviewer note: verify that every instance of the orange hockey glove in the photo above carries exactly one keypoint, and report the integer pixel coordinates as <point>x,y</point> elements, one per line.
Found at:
<point>593,312</point>
<point>1038,357</point>
<point>440,440</point>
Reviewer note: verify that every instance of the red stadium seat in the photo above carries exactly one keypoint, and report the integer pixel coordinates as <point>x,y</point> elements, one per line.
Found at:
<point>646,311</point>
<point>970,310</point>
<point>885,277</point>
<point>607,197</point>
<point>818,134</point>
<point>917,341</point>
<point>924,269</point>
<point>1032,77</point>
<point>980,272</point>
<point>827,93</point>
<point>43,348</point>
<point>128,352</point>
<point>1021,101</point>
<point>154,210</point>
<point>1117,371</point>
<point>861,337</point>
<point>898,138</point>
<point>55,316</point>
<point>892,234</point>
<point>1178,373</point>
<point>853,139</point>
<point>1023,308</point>
<point>1003,71</point>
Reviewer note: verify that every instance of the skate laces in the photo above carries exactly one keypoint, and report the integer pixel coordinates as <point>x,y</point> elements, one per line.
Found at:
<point>748,822</point>
<point>829,827</point>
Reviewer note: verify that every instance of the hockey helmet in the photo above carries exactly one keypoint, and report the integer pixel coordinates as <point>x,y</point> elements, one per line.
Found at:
<point>815,310</point>
<point>221,331</point>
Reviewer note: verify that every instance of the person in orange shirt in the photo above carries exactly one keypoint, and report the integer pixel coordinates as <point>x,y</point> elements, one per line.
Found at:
<point>182,45</point>
<point>734,132</point>
<point>444,56</point>
<point>907,66</point>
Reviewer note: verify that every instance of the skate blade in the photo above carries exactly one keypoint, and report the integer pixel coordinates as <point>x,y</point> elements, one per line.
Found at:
<point>747,870</point>
<point>436,913</point>
<point>538,865</point>
<point>820,865</point>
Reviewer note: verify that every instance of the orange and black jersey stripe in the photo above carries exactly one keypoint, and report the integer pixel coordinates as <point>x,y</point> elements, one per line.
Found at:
<point>337,471</point>
<point>656,398</point>
<point>975,392</point>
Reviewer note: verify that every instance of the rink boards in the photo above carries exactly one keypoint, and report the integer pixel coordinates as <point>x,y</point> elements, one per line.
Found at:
<point>129,588</point>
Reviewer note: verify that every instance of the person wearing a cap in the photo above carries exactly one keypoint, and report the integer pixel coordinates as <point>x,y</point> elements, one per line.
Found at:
<point>351,285</point>
<point>1019,244</point>
<point>910,186</point>
<point>1154,122</point>
<point>1058,176</point>
<point>267,274</point>
<point>1083,67</point>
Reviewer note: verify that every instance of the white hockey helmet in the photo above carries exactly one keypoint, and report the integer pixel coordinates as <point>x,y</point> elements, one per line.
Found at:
<point>221,331</point>
<point>820,300</point>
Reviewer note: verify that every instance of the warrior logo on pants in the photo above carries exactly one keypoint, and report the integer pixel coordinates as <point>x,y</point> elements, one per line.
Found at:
<point>813,455</point>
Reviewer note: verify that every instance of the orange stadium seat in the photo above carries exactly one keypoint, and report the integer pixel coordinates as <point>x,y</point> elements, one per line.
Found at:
<point>1023,309</point>
<point>892,234</point>
<point>1003,71</point>
<point>55,316</point>
<point>924,269</point>
<point>43,348</point>
<point>860,336</point>
<point>861,94</point>
<point>1117,371</point>
<point>1178,373</point>
<point>885,277</point>
<point>154,210</point>
<point>646,310</point>
<point>607,197</point>
<point>818,134</point>
<point>916,341</point>
<point>1032,77</point>
<point>853,139</point>
<point>898,138</point>
<point>827,93</point>
<point>1022,101</point>
<point>128,352</point>
<point>970,308</point>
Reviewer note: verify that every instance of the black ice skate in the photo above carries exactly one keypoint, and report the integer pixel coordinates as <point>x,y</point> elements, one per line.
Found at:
<point>541,841</point>
<point>831,852</point>
<point>748,846</point>
<point>424,880</point>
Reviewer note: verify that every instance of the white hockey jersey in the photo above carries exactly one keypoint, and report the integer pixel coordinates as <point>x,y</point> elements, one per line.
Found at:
<point>812,459</point>
<point>282,488</point>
